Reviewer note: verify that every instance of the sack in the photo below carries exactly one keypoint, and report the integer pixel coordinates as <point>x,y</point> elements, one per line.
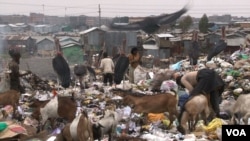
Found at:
<point>169,85</point>
<point>139,74</point>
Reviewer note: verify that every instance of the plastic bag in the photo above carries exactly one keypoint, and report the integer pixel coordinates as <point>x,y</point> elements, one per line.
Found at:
<point>3,126</point>
<point>213,125</point>
<point>176,66</point>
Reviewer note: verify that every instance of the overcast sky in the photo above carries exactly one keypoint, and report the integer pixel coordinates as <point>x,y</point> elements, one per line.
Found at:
<point>118,8</point>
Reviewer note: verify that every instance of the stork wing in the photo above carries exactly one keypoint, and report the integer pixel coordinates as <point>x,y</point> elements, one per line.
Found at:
<point>121,67</point>
<point>80,70</point>
<point>170,18</point>
<point>194,50</point>
<point>216,50</point>
<point>62,69</point>
<point>151,23</point>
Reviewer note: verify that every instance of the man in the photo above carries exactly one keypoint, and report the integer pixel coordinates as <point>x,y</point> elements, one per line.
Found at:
<point>14,68</point>
<point>205,81</point>
<point>134,60</point>
<point>107,67</point>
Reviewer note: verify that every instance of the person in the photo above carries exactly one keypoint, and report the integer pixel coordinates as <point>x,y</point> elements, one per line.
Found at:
<point>194,50</point>
<point>205,81</point>
<point>134,60</point>
<point>14,68</point>
<point>107,67</point>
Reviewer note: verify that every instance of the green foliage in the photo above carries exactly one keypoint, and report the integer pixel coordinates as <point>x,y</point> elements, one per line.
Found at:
<point>186,23</point>
<point>203,24</point>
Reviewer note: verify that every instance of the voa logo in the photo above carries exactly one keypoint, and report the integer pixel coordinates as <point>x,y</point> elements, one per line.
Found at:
<point>236,132</point>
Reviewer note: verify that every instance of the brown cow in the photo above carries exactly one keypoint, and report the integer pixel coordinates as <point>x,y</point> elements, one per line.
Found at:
<point>10,97</point>
<point>79,129</point>
<point>158,103</point>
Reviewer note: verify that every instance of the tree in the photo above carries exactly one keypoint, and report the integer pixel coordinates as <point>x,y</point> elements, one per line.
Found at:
<point>203,24</point>
<point>186,23</point>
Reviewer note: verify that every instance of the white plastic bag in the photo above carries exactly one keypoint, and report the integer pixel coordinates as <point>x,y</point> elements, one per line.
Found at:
<point>169,85</point>
<point>139,74</point>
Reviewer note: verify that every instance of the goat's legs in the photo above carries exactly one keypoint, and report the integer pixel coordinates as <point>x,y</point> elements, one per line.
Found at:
<point>183,127</point>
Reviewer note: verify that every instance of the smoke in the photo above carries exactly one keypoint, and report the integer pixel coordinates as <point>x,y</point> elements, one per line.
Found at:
<point>1,54</point>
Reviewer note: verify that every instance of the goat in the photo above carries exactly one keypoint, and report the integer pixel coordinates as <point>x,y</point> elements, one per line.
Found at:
<point>79,129</point>
<point>10,97</point>
<point>241,110</point>
<point>226,108</point>
<point>240,63</point>
<point>193,107</point>
<point>58,106</point>
<point>158,103</point>
<point>106,125</point>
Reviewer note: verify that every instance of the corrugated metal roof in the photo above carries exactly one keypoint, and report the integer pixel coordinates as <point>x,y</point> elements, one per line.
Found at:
<point>233,35</point>
<point>189,36</point>
<point>3,25</point>
<point>166,35</point>
<point>70,45</point>
<point>16,37</point>
<point>175,39</point>
<point>235,41</point>
<point>149,46</point>
<point>42,25</point>
<point>18,25</point>
<point>65,38</point>
<point>89,30</point>
<point>63,44</point>
<point>41,38</point>
<point>150,41</point>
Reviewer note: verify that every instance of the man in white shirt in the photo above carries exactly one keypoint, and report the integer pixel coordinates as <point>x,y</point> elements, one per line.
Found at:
<point>107,67</point>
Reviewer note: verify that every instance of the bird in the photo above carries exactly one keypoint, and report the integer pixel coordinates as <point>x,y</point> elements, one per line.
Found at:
<point>221,46</point>
<point>151,23</point>
<point>121,67</point>
<point>194,50</point>
<point>62,70</point>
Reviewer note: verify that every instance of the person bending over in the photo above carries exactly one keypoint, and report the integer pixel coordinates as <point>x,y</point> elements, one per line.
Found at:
<point>205,81</point>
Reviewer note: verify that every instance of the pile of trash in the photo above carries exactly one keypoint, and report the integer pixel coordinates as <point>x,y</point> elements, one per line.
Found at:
<point>97,98</point>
